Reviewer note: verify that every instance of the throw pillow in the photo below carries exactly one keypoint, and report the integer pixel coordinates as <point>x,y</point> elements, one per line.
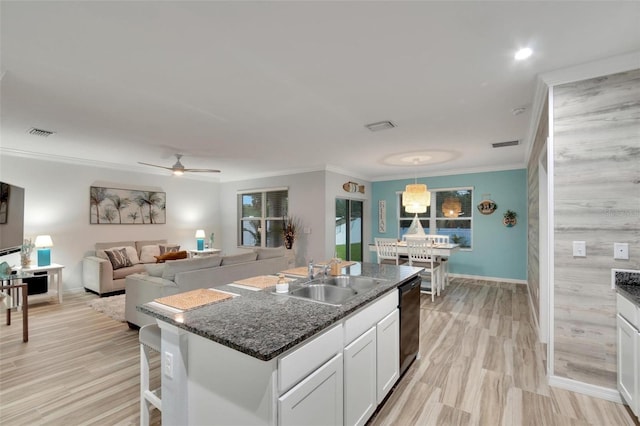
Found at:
<point>149,252</point>
<point>239,258</point>
<point>169,248</point>
<point>131,253</point>
<point>174,255</point>
<point>174,267</point>
<point>270,253</point>
<point>155,269</point>
<point>118,258</point>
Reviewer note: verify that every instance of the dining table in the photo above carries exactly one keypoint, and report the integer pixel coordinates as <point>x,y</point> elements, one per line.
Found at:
<point>440,250</point>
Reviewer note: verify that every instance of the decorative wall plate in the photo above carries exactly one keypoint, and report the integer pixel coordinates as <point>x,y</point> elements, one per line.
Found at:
<point>487,206</point>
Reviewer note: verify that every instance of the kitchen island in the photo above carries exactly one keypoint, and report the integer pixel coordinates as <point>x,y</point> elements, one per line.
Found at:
<point>251,359</point>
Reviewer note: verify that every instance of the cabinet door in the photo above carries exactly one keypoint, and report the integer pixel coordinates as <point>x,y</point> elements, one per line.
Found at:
<point>627,363</point>
<point>388,355</point>
<point>317,400</point>
<point>360,379</point>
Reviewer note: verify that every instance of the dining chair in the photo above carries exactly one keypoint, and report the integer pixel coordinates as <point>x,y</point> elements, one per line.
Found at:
<point>444,260</point>
<point>420,255</point>
<point>387,249</point>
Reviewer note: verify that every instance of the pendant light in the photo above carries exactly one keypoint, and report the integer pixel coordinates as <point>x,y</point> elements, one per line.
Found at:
<point>415,199</point>
<point>451,207</point>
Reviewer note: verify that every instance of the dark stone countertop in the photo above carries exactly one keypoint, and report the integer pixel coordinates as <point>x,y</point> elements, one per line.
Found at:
<point>263,324</point>
<point>628,285</point>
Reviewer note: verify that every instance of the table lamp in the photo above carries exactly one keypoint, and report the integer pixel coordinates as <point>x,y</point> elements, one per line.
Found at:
<point>43,243</point>
<point>200,236</point>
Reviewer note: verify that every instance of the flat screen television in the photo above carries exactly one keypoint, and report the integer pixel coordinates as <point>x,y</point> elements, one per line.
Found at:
<point>11,218</point>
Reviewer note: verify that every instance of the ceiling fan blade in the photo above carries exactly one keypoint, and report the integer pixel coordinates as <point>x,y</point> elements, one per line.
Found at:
<point>202,170</point>
<point>155,165</point>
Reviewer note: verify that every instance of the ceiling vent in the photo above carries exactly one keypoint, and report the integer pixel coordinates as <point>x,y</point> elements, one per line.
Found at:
<point>380,125</point>
<point>39,132</point>
<point>503,144</point>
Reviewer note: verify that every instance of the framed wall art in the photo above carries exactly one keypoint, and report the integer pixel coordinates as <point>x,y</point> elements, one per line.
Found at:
<point>382,216</point>
<point>116,206</point>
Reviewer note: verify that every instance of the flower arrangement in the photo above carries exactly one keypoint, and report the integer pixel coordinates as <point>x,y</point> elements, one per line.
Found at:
<point>510,218</point>
<point>25,252</point>
<point>290,226</point>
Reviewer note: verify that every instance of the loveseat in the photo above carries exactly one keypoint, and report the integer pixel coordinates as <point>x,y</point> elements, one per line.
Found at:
<point>103,276</point>
<point>180,276</point>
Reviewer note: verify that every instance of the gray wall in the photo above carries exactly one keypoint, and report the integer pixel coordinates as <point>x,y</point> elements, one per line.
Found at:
<point>596,133</point>
<point>311,198</point>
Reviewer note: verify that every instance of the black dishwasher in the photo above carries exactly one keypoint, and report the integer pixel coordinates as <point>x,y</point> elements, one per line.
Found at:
<point>409,322</point>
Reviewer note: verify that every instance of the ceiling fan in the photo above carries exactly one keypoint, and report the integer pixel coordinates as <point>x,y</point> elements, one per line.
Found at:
<point>178,169</point>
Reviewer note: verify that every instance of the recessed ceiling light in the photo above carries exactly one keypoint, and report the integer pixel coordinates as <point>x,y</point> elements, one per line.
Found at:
<point>523,53</point>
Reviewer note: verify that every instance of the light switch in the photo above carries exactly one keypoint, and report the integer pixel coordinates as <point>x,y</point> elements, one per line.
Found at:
<point>621,251</point>
<point>579,249</point>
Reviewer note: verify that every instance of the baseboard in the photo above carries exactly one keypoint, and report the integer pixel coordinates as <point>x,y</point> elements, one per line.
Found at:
<point>493,279</point>
<point>585,388</point>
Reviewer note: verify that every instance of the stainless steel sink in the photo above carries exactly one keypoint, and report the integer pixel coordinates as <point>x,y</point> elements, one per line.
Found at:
<point>324,293</point>
<point>335,290</point>
<point>355,282</point>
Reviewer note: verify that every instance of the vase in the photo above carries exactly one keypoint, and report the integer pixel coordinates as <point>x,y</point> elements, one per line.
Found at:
<point>288,243</point>
<point>25,261</point>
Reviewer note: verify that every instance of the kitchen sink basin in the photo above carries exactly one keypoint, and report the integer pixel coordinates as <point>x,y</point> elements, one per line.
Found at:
<point>355,282</point>
<point>324,293</point>
<point>334,290</point>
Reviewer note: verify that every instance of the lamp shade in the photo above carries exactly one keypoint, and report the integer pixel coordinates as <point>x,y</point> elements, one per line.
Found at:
<point>44,241</point>
<point>451,207</point>
<point>200,233</point>
<point>416,198</point>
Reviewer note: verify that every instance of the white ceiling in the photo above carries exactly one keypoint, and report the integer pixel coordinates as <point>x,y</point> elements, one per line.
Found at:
<point>269,88</point>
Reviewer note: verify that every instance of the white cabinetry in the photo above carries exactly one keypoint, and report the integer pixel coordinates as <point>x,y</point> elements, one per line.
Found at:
<point>317,400</point>
<point>360,379</point>
<point>388,354</point>
<point>628,320</point>
<point>371,358</point>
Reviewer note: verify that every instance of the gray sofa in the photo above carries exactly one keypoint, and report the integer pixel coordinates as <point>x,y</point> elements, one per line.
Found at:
<point>184,275</point>
<point>98,275</point>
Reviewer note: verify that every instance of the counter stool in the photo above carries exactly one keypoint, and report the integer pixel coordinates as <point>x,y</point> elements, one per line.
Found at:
<point>149,341</point>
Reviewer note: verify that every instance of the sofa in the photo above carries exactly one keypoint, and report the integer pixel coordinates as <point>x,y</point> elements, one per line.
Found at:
<point>180,276</point>
<point>105,276</point>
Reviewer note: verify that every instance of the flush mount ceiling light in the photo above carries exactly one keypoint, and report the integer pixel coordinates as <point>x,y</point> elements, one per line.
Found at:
<point>380,125</point>
<point>523,53</point>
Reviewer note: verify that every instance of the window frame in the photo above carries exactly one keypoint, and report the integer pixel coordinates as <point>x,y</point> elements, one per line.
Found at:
<point>433,218</point>
<point>262,218</point>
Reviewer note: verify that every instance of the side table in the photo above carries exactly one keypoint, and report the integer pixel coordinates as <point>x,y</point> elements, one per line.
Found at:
<point>203,253</point>
<point>20,288</point>
<point>54,275</point>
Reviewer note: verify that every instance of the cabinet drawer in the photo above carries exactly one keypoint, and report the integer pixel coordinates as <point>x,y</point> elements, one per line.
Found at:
<point>369,316</point>
<point>628,310</point>
<point>301,362</point>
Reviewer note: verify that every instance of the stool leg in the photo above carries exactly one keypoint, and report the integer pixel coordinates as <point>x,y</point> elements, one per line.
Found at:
<point>145,407</point>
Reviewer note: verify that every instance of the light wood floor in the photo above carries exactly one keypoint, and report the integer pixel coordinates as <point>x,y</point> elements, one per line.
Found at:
<point>480,365</point>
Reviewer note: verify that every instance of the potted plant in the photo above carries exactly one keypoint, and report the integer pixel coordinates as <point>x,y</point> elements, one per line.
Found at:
<point>510,218</point>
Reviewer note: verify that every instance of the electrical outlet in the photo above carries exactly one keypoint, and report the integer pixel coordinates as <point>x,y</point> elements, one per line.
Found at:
<point>621,251</point>
<point>168,365</point>
<point>579,249</point>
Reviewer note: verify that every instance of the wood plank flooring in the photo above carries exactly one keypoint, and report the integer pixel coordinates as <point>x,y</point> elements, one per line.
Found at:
<point>480,365</point>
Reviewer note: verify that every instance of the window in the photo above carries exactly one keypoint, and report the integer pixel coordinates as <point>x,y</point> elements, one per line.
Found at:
<point>450,213</point>
<point>260,215</point>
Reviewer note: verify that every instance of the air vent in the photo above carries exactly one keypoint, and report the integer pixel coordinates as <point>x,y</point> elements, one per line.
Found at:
<point>380,125</point>
<point>503,144</point>
<point>39,132</point>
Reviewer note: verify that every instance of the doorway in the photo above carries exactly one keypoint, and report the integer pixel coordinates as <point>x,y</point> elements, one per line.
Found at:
<point>348,242</point>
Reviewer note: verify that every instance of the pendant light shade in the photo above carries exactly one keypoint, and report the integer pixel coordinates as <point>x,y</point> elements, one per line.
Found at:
<point>416,198</point>
<point>452,207</point>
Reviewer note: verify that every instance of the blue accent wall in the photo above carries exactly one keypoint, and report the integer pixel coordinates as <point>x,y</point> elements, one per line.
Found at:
<point>498,251</point>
